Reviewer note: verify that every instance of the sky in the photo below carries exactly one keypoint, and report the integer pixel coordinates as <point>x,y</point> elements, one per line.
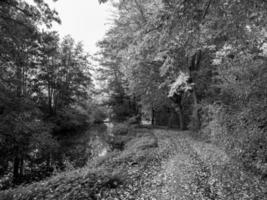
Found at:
<point>85,20</point>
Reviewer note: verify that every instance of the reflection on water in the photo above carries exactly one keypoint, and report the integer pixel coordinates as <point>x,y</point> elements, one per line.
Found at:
<point>79,149</point>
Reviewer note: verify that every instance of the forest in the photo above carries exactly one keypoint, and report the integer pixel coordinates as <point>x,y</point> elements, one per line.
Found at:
<point>199,64</point>
<point>195,68</point>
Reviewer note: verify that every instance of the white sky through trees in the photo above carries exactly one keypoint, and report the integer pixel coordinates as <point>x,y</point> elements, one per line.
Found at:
<point>85,20</point>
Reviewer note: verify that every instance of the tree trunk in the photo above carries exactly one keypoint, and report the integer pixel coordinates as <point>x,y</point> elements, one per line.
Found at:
<point>16,162</point>
<point>16,168</point>
<point>50,100</point>
<point>195,115</point>
<point>152,117</point>
<point>194,66</point>
<point>181,117</point>
<point>177,104</point>
<point>170,119</point>
<point>23,81</point>
<point>54,101</point>
<point>21,166</point>
<point>48,161</point>
<point>19,81</point>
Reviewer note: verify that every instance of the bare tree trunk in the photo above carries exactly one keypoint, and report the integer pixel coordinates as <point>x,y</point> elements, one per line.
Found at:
<point>48,161</point>
<point>181,117</point>
<point>195,115</point>
<point>193,67</point>
<point>16,167</point>
<point>177,104</point>
<point>152,116</point>
<point>19,83</point>
<point>23,91</point>
<point>50,99</point>
<point>170,119</point>
<point>21,166</point>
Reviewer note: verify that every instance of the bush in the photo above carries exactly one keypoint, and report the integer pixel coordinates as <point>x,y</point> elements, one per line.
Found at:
<point>120,129</point>
<point>69,120</point>
<point>238,134</point>
<point>239,123</point>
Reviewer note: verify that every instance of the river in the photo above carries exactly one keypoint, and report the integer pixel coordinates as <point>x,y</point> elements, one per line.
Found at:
<point>77,150</point>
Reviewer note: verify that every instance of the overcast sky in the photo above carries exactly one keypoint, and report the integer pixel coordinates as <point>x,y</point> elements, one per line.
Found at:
<point>84,20</point>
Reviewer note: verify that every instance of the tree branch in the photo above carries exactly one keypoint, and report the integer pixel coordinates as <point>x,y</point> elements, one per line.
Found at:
<point>16,21</point>
<point>206,9</point>
<point>140,10</point>
<point>18,8</point>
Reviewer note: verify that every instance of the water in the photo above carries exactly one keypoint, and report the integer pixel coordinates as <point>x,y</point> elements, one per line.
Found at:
<point>77,150</point>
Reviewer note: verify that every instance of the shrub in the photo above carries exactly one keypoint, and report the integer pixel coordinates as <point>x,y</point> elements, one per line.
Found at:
<point>238,134</point>
<point>120,129</point>
<point>239,123</point>
<point>69,120</point>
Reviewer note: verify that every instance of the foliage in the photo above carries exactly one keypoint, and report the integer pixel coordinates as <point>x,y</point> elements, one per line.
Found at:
<point>213,50</point>
<point>68,120</point>
<point>120,129</point>
<point>42,82</point>
<point>204,60</point>
<point>99,115</point>
<point>122,107</point>
<point>180,85</point>
<point>240,122</point>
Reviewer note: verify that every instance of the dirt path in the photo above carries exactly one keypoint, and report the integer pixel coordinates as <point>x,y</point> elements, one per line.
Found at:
<point>198,170</point>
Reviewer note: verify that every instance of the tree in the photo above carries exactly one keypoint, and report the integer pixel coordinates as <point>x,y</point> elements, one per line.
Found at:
<point>122,105</point>
<point>39,78</point>
<point>184,37</point>
<point>45,88</point>
<point>19,48</point>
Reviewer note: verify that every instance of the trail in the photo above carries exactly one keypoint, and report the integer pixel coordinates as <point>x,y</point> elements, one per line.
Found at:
<point>199,170</point>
